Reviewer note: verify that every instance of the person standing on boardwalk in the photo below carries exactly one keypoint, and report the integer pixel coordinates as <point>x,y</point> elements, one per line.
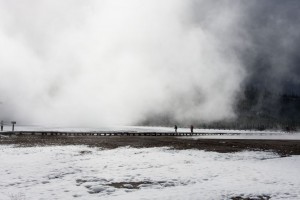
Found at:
<point>175,127</point>
<point>192,129</point>
<point>2,125</point>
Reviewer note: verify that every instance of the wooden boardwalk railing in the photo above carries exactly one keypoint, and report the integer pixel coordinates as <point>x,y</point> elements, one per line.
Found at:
<point>59,133</point>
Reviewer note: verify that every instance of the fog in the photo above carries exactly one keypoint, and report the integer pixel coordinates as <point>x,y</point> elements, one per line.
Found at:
<point>116,62</point>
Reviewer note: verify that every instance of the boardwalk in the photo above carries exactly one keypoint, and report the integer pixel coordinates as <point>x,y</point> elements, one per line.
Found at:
<point>113,133</point>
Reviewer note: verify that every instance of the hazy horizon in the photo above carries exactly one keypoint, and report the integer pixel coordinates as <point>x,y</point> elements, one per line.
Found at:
<point>99,63</point>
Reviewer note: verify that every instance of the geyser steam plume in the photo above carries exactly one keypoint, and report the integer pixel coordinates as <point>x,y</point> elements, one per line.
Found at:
<point>89,62</point>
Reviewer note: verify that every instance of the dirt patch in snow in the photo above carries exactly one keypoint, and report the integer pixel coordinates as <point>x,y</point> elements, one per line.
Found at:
<point>260,197</point>
<point>136,185</point>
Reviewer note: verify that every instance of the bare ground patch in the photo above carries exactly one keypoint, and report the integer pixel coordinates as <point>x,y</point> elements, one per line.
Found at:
<point>282,147</point>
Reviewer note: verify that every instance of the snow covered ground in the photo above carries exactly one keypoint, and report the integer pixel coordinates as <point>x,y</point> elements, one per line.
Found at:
<point>246,136</point>
<point>81,172</point>
<point>130,129</point>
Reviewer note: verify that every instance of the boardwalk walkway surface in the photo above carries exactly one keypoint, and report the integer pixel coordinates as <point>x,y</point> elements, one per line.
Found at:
<point>113,133</point>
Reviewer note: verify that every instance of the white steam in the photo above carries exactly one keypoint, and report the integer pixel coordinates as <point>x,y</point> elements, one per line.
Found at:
<point>89,62</point>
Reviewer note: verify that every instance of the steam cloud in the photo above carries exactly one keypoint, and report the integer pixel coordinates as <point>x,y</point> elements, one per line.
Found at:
<point>89,62</point>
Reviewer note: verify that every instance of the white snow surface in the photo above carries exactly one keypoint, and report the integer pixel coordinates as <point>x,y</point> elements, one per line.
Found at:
<point>130,129</point>
<point>81,172</point>
<point>244,135</point>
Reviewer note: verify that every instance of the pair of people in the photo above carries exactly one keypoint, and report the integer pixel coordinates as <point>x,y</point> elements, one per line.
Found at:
<point>192,128</point>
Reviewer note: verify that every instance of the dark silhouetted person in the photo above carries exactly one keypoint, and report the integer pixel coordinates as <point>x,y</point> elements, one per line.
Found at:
<point>1,125</point>
<point>175,127</point>
<point>192,129</point>
<point>13,125</point>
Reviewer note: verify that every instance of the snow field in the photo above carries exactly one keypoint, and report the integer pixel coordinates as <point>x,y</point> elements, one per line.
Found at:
<point>134,129</point>
<point>249,136</point>
<point>81,172</point>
